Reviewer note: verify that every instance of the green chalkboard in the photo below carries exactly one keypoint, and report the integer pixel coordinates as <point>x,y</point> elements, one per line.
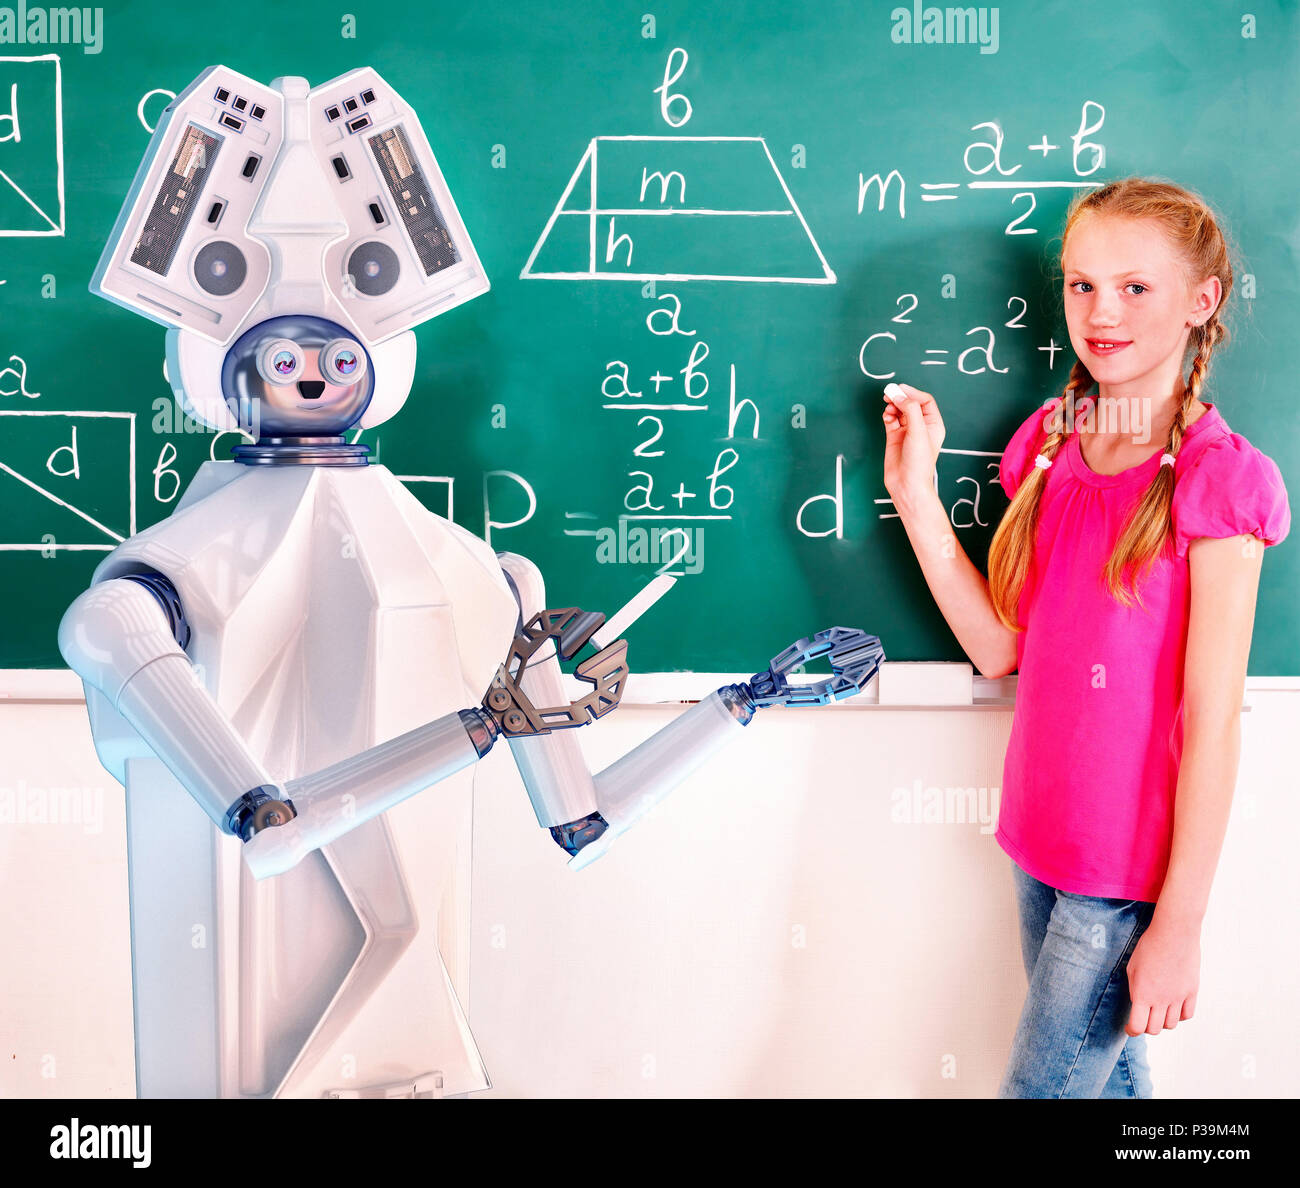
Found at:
<point>776,117</point>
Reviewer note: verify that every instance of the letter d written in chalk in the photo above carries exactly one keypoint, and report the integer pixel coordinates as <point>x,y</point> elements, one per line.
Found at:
<point>837,499</point>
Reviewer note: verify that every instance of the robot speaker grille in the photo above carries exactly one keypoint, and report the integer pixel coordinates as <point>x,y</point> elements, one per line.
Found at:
<point>219,268</point>
<point>178,196</point>
<point>414,200</point>
<point>374,268</point>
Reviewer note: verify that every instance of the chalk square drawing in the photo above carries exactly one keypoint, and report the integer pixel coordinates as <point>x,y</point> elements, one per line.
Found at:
<point>76,529</point>
<point>31,146</point>
<point>678,208</point>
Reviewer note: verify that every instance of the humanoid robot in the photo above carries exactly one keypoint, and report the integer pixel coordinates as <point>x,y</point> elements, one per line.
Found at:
<point>301,646</point>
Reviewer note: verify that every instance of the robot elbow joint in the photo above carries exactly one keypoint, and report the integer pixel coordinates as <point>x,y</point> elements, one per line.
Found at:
<point>572,836</point>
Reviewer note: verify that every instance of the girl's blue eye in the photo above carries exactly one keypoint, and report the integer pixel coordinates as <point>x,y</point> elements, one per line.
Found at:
<point>1130,285</point>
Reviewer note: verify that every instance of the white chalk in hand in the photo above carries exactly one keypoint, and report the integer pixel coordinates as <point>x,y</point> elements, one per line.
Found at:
<point>621,620</point>
<point>894,392</point>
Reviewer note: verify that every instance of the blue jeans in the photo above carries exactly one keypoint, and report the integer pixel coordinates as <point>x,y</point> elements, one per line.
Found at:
<point>1070,1041</point>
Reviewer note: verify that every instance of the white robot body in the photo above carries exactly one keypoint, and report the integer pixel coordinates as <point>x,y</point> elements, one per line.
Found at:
<point>345,972</point>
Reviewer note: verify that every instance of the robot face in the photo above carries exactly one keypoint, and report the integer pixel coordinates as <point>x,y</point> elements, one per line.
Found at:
<point>297,375</point>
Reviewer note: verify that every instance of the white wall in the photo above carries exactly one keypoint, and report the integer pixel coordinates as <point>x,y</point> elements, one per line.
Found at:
<point>769,930</point>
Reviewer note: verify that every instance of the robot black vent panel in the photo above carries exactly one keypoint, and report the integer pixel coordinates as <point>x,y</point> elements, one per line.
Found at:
<point>414,201</point>
<point>178,198</point>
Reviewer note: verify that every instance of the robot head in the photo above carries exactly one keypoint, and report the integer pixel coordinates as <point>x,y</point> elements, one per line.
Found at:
<point>315,219</point>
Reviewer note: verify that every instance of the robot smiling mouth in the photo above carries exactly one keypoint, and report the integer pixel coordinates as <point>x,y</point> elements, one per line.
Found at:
<point>311,389</point>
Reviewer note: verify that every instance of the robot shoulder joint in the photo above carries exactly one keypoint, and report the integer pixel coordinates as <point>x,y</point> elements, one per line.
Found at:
<point>117,626</point>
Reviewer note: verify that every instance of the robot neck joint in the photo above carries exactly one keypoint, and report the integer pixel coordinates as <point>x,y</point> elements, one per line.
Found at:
<point>302,451</point>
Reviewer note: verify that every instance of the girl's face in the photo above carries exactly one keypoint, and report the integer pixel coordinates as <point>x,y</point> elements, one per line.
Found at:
<point>1124,285</point>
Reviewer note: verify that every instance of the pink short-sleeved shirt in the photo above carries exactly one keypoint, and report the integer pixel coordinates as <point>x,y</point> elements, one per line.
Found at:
<point>1091,768</point>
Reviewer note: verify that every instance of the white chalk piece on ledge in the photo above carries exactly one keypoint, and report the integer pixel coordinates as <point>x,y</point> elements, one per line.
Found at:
<point>926,682</point>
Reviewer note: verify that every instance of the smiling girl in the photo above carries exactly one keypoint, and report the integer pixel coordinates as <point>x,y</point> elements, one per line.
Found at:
<point>1122,585</point>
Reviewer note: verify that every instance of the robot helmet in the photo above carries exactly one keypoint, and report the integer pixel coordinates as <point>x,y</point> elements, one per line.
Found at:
<point>320,205</point>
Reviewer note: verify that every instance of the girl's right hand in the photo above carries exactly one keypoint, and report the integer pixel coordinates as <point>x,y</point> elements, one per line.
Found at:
<point>914,433</point>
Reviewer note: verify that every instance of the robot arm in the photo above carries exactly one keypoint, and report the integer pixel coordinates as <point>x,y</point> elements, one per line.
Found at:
<point>330,802</point>
<point>123,637</point>
<point>585,813</point>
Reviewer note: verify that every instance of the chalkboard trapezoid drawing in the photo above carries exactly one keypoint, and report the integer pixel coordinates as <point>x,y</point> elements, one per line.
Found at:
<point>678,208</point>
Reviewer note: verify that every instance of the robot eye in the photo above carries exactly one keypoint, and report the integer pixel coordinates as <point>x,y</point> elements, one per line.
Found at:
<point>280,362</point>
<point>343,361</point>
